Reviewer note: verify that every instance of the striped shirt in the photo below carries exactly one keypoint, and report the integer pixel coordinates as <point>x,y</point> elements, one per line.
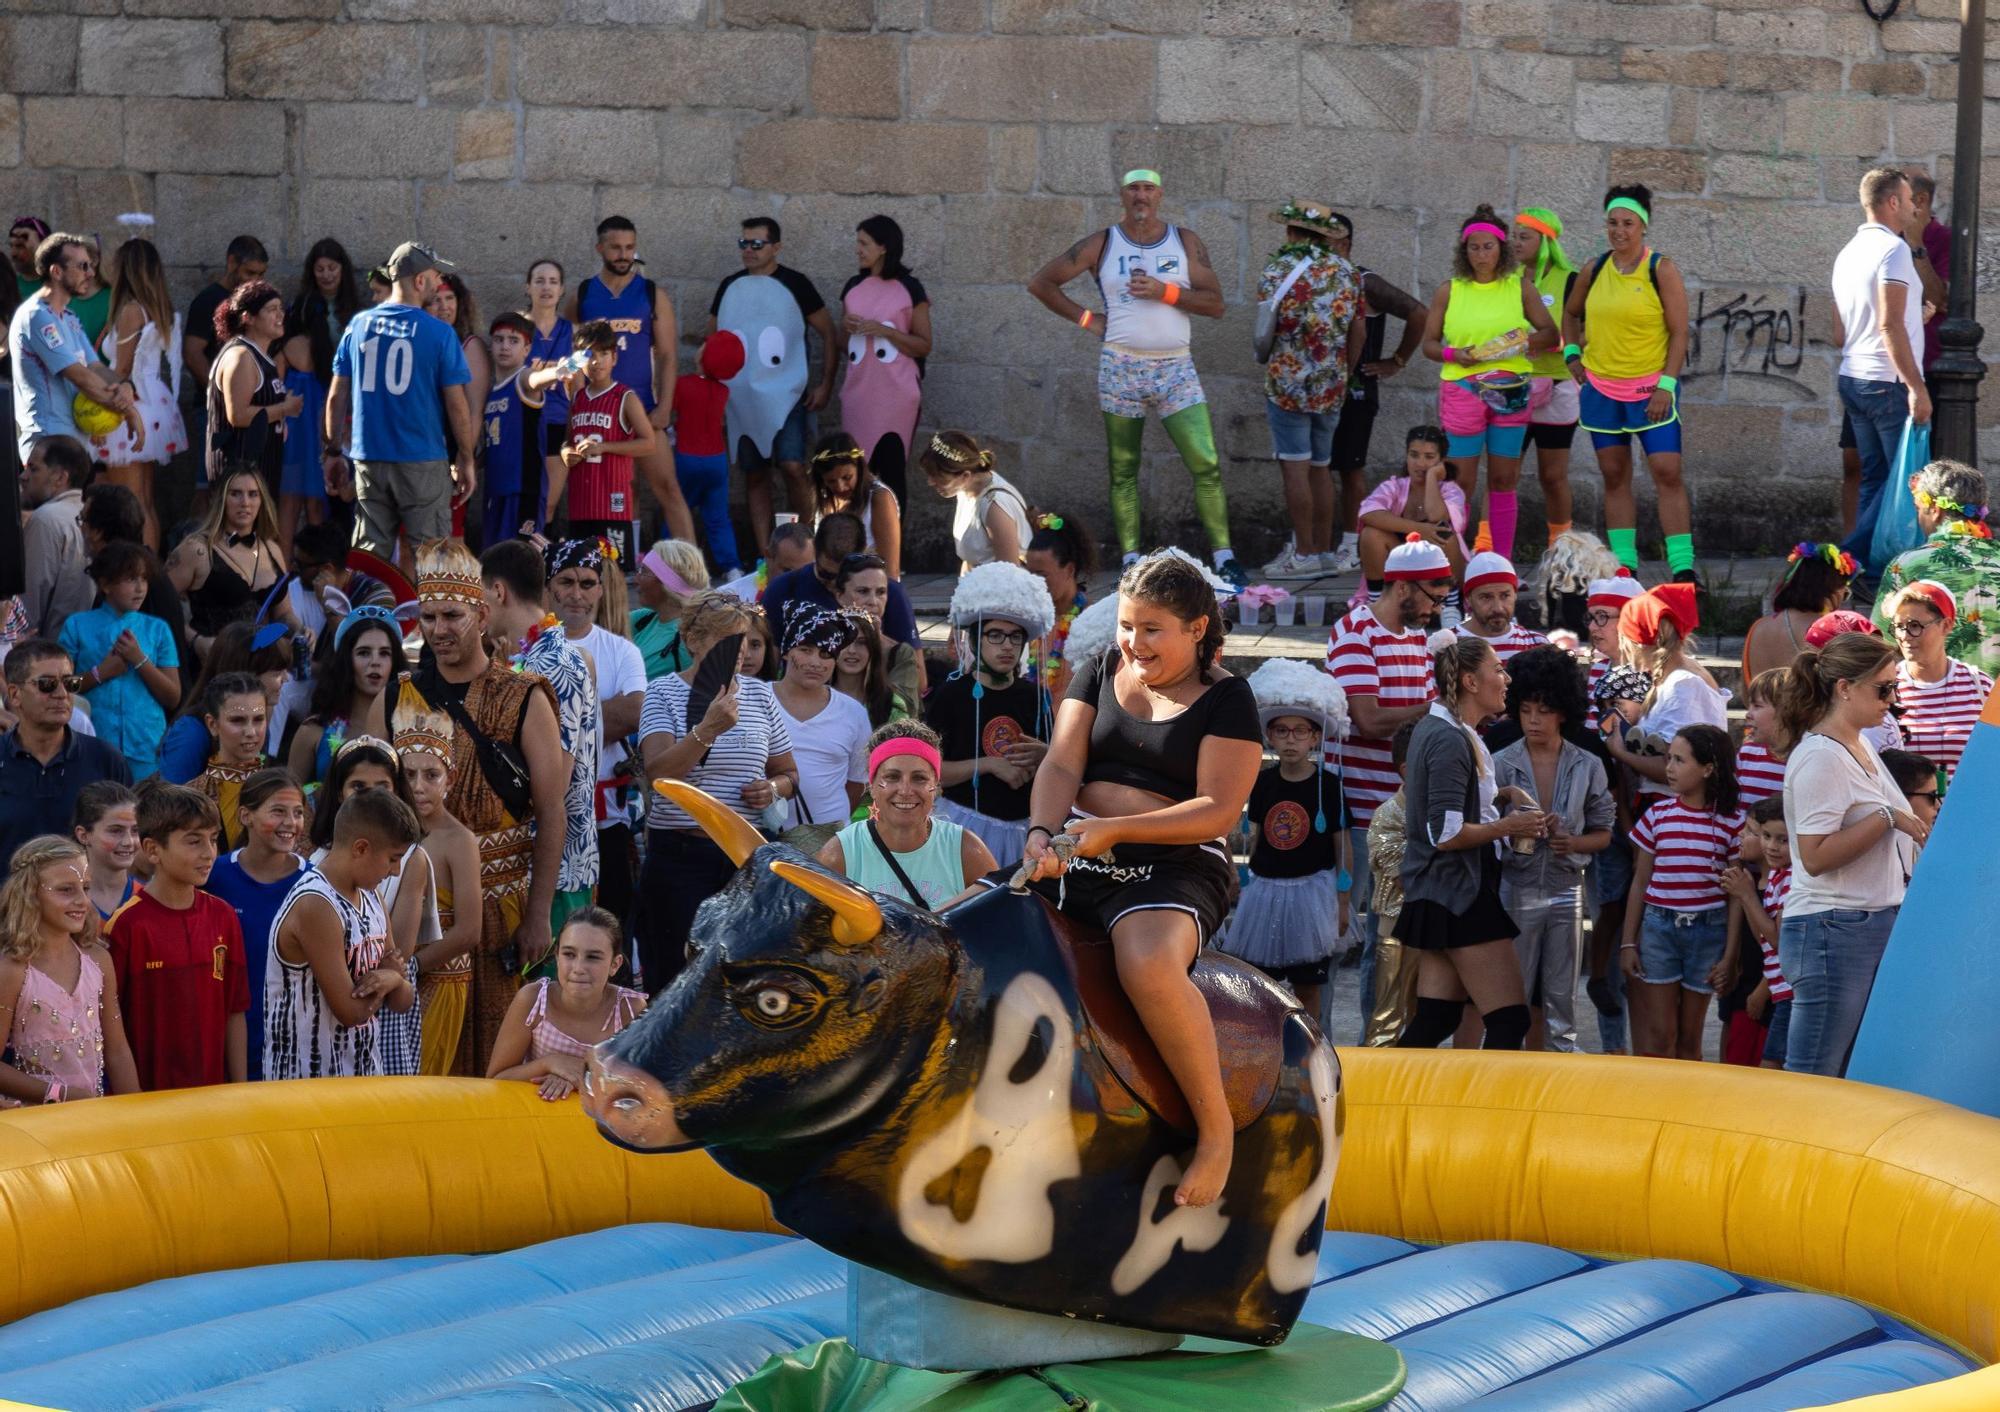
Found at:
<point>1599,665</point>
<point>1689,847</point>
<point>302,1038</point>
<point>1393,667</point>
<point>1938,716</point>
<point>1515,640</point>
<point>739,756</point>
<point>1759,773</point>
<point>1777,886</point>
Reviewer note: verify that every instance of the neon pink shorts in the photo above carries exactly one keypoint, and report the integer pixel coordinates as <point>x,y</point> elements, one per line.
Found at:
<point>1463,412</point>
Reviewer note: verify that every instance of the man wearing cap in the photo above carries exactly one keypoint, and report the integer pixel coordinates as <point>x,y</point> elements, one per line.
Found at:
<point>1152,277</point>
<point>1313,300</point>
<point>403,373</point>
<point>1378,655</point>
<point>1489,591</point>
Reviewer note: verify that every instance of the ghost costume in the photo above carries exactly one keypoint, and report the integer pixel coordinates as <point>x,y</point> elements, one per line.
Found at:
<point>766,317</point>
<point>883,387</point>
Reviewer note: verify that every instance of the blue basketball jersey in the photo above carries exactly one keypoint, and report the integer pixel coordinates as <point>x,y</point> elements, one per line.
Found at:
<point>630,315</point>
<point>553,347</point>
<point>513,436</point>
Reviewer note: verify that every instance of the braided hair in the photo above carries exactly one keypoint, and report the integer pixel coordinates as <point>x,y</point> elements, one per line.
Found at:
<point>1454,656</point>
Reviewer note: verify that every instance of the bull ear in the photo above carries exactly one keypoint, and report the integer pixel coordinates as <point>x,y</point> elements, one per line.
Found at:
<point>729,830</point>
<point>856,919</point>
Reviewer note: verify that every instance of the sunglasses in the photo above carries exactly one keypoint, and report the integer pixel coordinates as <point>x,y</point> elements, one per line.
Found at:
<point>47,685</point>
<point>1930,794</point>
<point>746,243</point>
<point>1885,691</point>
<point>1000,637</point>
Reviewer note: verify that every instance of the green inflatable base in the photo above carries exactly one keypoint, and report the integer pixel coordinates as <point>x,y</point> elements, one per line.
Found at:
<point>1315,1370</point>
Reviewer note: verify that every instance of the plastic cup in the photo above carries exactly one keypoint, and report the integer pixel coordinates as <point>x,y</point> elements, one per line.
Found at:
<point>1315,609</point>
<point>1246,612</point>
<point>1287,610</point>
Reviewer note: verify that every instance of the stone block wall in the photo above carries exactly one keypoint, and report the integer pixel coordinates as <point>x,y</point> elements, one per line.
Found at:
<point>502,130</point>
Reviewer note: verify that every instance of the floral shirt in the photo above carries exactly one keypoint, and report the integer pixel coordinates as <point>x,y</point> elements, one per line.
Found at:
<point>1307,371</point>
<point>1968,565</point>
<point>551,655</point>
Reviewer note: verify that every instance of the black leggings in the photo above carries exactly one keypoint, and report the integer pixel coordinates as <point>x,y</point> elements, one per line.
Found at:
<point>682,870</point>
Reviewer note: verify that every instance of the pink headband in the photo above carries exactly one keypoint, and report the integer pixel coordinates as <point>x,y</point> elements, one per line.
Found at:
<point>1481,228</point>
<point>664,572</point>
<point>904,745</point>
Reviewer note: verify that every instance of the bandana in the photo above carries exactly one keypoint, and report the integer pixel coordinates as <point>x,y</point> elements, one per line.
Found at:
<point>818,627</point>
<point>1639,620</point>
<point>577,554</point>
<point>1934,593</point>
<point>1621,684</point>
<point>1840,620</point>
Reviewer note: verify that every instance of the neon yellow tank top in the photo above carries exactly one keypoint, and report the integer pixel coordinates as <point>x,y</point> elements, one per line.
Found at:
<point>1551,364</point>
<point>1623,323</point>
<point>1478,312</point>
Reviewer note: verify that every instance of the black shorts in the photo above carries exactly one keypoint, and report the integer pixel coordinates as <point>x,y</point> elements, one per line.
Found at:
<point>1195,878</point>
<point>1551,436</point>
<point>1351,435</point>
<point>1305,973</point>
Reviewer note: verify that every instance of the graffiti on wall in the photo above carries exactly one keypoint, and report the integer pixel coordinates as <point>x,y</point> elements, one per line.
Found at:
<point>1747,336</point>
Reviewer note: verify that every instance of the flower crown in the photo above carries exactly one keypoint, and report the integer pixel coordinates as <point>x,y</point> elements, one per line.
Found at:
<point>1928,501</point>
<point>1293,211</point>
<point>958,456</point>
<point>1836,558</point>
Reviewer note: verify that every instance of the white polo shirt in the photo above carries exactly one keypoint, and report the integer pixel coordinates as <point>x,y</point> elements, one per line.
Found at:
<point>1876,256</point>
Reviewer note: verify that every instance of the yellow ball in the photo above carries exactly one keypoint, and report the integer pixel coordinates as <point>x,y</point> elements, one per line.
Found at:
<point>93,418</point>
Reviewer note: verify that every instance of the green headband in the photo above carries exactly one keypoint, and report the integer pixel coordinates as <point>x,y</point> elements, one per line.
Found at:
<point>1626,203</point>
<point>1140,174</point>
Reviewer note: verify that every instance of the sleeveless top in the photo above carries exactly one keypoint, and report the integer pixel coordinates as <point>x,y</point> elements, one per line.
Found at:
<point>59,1034</point>
<point>935,868</point>
<point>1551,364</point>
<point>600,489</point>
<point>302,1039</point>
<point>1478,312</point>
<point>552,347</point>
<point>513,446</point>
<point>630,314</point>
<point>224,596</point>
<point>544,1038</point>
<point>968,520</point>
<point>1624,323</point>
<point>254,445</point>
<point>1150,326</point>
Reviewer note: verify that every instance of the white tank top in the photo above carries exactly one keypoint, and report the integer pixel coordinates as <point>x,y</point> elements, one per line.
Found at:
<point>1143,325</point>
<point>302,1039</point>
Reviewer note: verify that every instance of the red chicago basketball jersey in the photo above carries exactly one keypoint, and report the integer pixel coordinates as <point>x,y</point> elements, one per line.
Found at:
<point>600,489</point>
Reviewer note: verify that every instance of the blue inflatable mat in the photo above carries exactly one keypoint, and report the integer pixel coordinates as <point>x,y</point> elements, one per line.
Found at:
<point>668,1317</point>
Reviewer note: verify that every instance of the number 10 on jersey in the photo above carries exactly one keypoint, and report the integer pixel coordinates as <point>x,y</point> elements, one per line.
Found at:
<point>397,361</point>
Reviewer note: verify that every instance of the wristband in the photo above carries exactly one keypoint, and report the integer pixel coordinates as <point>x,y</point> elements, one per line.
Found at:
<point>1083,319</point>
<point>1040,828</point>
<point>54,1092</point>
<point>1450,354</point>
<point>1630,946</point>
<point>1669,384</point>
<point>1172,294</point>
<point>1571,352</point>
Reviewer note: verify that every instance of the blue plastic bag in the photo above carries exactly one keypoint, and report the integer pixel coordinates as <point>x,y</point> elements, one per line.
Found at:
<point>1896,527</point>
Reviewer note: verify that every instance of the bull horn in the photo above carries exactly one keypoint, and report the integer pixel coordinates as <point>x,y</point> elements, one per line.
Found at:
<point>729,830</point>
<point>856,918</point>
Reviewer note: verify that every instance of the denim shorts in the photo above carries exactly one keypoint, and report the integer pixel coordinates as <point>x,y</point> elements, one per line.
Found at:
<point>1301,436</point>
<point>1779,1023</point>
<point>788,445</point>
<point>1681,948</point>
<point>1611,872</point>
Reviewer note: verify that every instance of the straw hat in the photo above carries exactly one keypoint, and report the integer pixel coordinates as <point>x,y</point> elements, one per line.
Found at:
<point>1314,216</point>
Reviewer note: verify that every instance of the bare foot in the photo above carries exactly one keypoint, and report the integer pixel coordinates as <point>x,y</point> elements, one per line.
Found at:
<point>1208,1173</point>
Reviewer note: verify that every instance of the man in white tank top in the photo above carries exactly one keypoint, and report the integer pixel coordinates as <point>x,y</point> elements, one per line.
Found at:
<point>1151,276</point>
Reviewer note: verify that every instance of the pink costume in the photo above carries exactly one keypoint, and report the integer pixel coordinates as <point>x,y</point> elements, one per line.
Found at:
<point>59,1034</point>
<point>883,390</point>
<point>545,1039</point>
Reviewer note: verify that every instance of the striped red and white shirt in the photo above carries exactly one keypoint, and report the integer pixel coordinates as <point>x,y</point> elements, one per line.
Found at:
<point>1759,773</point>
<point>1599,665</point>
<point>1938,716</point>
<point>1516,639</point>
<point>1393,667</point>
<point>1777,887</point>
<point>1689,847</point>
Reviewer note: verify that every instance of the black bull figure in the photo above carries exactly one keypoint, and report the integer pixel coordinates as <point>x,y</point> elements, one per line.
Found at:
<point>969,1103</point>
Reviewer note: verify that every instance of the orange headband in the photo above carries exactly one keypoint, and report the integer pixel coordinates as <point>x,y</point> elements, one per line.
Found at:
<point>1540,227</point>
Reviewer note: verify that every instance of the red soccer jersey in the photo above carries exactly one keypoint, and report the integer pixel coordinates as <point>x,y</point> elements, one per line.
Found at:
<point>600,489</point>
<point>698,407</point>
<point>181,975</point>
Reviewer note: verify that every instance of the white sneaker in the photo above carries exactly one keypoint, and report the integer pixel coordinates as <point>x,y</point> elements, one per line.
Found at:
<point>1344,560</point>
<point>1290,565</point>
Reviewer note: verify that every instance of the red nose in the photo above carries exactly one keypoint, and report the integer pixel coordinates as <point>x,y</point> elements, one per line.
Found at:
<point>630,1104</point>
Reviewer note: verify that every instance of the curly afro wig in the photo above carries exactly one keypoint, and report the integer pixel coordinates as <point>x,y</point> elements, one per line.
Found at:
<point>1547,676</point>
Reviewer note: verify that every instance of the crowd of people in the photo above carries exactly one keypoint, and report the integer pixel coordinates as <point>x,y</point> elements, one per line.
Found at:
<point>357,778</point>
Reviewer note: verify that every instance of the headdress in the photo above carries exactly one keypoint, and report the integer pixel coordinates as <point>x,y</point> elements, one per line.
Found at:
<point>1284,686</point>
<point>1313,215</point>
<point>447,570</point>
<point>418,728</point>
<point>1832,555</point>
<point>1003,590</point>
<point>959,456</point>
<point>366,613</point>
<point>1093,631</point>
<point>374,742</point>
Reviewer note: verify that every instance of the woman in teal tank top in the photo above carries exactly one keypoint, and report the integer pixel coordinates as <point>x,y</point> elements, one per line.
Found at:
<point>899,849</point>
<point>1487,323</point>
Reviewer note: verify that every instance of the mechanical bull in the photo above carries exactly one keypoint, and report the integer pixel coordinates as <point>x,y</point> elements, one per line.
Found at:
<point>969,1103</point>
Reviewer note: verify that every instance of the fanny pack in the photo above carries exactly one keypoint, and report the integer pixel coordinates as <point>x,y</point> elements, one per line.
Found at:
<point>1504,392</point>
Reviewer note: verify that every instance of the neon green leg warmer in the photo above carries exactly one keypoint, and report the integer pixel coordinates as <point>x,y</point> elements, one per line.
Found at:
<point>1194,438</point>
<point>1121,437</point>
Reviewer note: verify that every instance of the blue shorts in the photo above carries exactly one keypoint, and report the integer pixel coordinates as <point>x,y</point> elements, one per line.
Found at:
<point>1681,948</point>
<point>1301,436</point>
<point>788,445</point>
<point>1613,424</point>
<point>1779,1025</point>
<point>1611,872</point>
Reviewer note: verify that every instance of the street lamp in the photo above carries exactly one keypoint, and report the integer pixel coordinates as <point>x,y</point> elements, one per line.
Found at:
<point>1958,369</point>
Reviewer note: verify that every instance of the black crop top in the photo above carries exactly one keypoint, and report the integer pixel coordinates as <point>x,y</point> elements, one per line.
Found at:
<point>1158,756</point>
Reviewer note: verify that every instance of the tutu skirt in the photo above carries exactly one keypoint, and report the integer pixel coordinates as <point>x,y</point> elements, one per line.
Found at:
<point>1005,838</point>
<point>1285,921</point>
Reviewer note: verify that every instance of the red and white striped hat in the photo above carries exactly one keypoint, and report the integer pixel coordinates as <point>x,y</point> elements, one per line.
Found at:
<point>1612,592</point>
<point>1416,559</point>
<point>1488,567</point>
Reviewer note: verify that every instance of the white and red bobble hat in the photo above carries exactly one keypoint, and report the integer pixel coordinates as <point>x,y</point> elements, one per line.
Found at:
<point>1416,559</point>
<point>1487,567</point>
<point>1613,592</point>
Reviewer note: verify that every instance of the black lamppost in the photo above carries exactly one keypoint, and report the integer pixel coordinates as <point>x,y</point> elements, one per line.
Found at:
<point>1958,369</point>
